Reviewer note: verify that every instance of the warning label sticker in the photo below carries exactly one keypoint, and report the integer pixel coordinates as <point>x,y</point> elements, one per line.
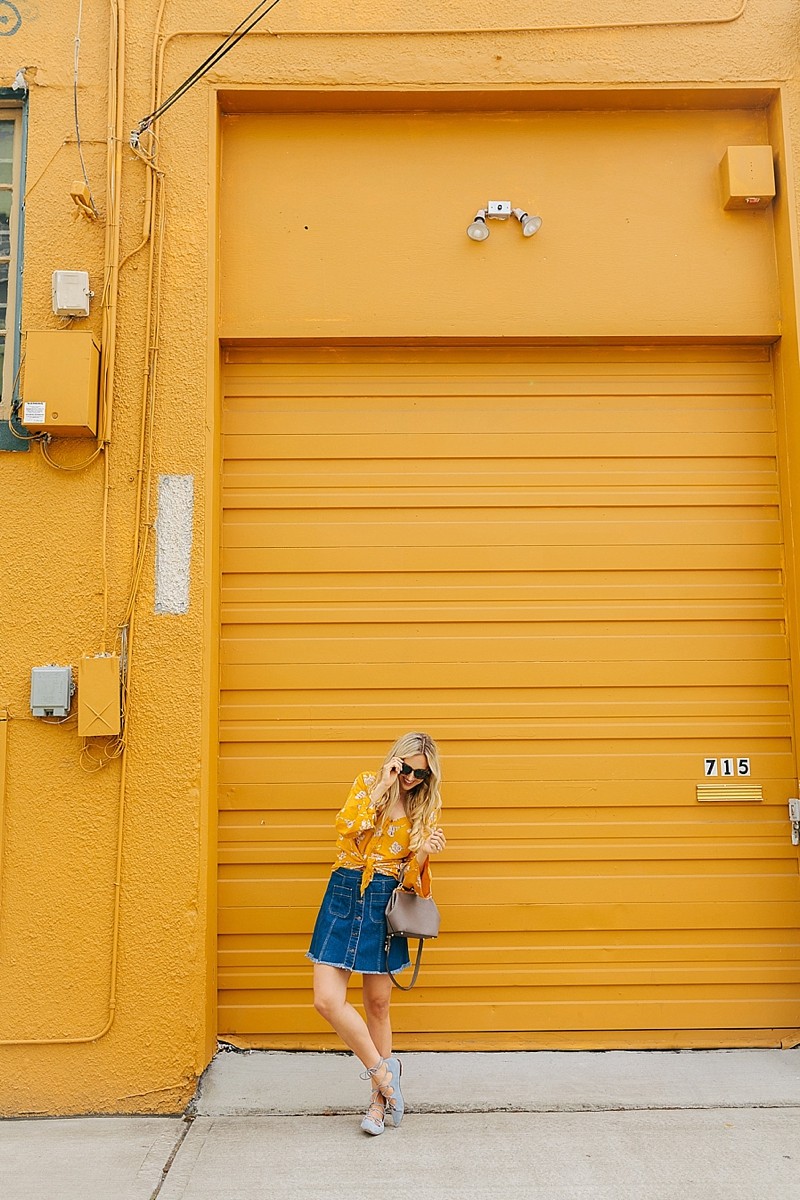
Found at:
<point>33,414</point>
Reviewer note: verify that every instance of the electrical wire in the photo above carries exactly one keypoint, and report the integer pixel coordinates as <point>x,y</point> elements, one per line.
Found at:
<point>94,211</point>
<point>45,168</point>
<point>15,407</point>
<point>104,551</point>
<point>113,222</point>
<point>67,141</point>
<point>233,38</point>
<point>60,466</point>
<point>22,437</point>
<point>143,523</point>
<point>96,753</point>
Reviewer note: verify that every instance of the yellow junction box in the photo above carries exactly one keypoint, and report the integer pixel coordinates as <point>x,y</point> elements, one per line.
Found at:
<point>747,176</point>
<point>98,696</point>
<point>62,371</point>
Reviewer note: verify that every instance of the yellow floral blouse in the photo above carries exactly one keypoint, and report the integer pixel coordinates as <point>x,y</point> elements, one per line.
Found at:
<point>363,846</point>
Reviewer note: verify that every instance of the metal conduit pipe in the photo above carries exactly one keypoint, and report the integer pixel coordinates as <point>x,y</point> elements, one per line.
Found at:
<point>262,32</point>
<point>493,29</point>
<point>116,101</point>
<point>116,96</point>
<point>3,750</point>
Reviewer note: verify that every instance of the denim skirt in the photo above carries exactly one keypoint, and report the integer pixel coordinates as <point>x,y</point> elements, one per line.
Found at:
<point>351,929</point>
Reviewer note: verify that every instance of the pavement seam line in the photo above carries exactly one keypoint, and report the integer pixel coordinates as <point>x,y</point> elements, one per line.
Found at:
<point>188,1121</point>
<point>444,1110</point>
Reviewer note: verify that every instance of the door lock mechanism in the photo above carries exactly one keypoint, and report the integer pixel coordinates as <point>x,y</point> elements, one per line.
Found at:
<point>794,817</point>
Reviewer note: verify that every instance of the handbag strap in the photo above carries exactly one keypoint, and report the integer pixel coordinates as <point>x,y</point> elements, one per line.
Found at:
<point>403,986</point>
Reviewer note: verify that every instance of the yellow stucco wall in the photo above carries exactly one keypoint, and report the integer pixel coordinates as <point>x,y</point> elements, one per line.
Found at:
<point>60,823</point>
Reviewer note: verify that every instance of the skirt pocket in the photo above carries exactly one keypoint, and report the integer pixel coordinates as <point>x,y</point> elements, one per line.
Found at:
<point>376,904</point>
<point>341,902</point>
<point>350,930</point>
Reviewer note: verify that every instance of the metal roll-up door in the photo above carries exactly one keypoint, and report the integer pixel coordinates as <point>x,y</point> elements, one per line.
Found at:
<point>565,565</point>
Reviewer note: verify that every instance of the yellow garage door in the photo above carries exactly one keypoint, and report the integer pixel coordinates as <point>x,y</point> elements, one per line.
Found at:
<point>565,564</point>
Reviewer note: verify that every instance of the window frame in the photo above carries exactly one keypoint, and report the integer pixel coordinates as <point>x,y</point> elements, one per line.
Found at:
<point>15,109</point>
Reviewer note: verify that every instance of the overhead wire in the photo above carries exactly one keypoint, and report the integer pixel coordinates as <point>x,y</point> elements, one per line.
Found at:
<point>144,125</point>
<point>232,39</point>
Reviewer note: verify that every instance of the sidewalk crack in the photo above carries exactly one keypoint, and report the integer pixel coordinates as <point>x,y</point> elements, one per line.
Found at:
<point>187,1125</point>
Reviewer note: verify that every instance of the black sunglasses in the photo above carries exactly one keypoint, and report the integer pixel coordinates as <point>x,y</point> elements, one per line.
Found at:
<point>407,770</point>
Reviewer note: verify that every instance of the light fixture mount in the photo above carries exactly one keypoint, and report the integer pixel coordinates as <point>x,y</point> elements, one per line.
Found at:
<point>501,210</point>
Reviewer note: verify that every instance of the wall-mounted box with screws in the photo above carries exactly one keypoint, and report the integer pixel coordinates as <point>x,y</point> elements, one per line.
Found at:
<point>51,691</point>
<point>62,374</point>
<point>747,177</point>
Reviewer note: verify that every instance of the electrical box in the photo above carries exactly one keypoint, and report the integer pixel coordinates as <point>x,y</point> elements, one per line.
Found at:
<point>62,373</point>
<point>98,696</point>
<point>747,176</point>
<point>51,691</point>
<point>71,293</point>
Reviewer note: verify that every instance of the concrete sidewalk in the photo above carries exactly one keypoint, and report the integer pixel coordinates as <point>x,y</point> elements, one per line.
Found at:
<point>238,1084</point>
<point>688,1125</point>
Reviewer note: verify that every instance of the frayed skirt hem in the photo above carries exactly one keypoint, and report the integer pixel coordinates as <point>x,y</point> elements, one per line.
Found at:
<point>354,970</point>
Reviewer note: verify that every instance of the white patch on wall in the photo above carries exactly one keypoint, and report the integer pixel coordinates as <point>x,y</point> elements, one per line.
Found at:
<point>174,525</point>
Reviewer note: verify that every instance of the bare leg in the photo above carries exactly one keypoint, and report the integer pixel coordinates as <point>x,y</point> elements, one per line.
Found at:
<point>330,1001</point>
<point>377,992</point>
<point>377,995</point>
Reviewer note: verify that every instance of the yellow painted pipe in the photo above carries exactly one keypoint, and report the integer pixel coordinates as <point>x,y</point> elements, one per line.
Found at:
<point>435,31</point>
<point>116,99</point>
<point>3,747</point>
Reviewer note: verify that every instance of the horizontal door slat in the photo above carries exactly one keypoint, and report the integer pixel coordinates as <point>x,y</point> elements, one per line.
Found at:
<point>567,563</point>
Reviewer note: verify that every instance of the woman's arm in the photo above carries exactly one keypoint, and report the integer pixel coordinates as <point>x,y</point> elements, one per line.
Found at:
<point>417,875</point>
<point>358,811</point>
<point>389,772</point>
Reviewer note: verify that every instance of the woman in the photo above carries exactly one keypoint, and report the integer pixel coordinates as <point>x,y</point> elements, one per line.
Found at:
<point>386,832</point>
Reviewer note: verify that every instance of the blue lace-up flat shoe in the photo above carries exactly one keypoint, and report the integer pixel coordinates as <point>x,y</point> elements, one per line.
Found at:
<point>374,1116</point>
<point>390,1090</point>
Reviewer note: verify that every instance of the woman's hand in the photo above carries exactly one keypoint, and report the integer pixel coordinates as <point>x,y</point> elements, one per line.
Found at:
<point>434,843</point>
<point>389,772</point>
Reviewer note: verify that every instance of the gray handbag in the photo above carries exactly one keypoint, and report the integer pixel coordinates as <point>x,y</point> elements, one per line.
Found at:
<point>411,916</point>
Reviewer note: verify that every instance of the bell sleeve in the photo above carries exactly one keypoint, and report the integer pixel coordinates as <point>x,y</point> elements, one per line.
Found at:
<point>357,815</point>
<point>418,878</point>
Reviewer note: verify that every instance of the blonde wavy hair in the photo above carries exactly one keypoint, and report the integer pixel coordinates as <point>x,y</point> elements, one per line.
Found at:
<point>423,804</point>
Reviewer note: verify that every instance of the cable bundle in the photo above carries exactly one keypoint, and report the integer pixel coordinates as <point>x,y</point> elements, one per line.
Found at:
<point>234,37</point>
